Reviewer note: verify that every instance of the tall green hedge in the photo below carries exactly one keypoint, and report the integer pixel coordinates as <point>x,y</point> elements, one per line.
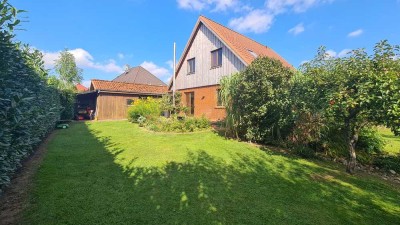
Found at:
<point>29,107</point>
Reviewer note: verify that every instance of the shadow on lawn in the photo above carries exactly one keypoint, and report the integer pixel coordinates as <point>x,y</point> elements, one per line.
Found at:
<point>207,190</point>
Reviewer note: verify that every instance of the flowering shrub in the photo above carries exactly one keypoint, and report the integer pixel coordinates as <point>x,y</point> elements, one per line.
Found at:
<point>148,108</point>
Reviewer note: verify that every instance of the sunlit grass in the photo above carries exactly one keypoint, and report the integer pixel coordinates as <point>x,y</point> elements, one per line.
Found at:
<point>118,173</point>
<point>392,142</point>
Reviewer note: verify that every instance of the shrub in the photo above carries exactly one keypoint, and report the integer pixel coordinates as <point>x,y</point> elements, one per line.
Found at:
<point>148,108</point>
<point>388,162</point>
<point>370,141</point>
<point>304,152</point>
<point>173,124</point>
<point>257,101</point>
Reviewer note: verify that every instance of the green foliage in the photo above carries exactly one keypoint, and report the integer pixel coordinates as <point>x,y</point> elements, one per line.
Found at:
<point>370,141</point>
<point>257,101</point>
<point>68,73</point>
<point>355,91</point>
<point>67,100</point>
<point>141,121</point>
<point>388,162</point>
<point>173,124</point>
<point>29,108</point>
<point>167,104</point>
<point>148,108</point>
<point>304,151</point>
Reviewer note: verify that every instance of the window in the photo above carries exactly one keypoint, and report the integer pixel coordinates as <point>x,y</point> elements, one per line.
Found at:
<point>191,66</point>
<point>129,102</point>
<point>216,58</point>
<point>252,53</point>
<point>219,98</point>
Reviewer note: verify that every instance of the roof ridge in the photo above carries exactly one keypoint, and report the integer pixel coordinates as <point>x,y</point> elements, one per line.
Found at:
<point>235,32</point>
<point>127,83</point>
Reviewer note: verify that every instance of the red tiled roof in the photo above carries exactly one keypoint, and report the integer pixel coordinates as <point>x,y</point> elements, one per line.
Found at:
<point>105,85</point>
<point>240,44</point>
<point>81,88</point>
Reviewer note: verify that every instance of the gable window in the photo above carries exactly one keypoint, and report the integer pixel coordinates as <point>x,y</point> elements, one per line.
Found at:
<point>219,98</point>
<point>252,53</point>
<point>216,58</point>
<point>191,66</point>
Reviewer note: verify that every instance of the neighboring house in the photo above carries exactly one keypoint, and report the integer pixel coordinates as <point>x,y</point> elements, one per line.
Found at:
<point>110,100</point>
<point>81,88</point>
<point>213,51</point>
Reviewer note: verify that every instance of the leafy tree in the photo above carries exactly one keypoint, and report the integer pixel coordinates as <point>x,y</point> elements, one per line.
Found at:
<point>257,100</point>
<point>68,76</point>
<point>356,91</point>
<point>68,72</point>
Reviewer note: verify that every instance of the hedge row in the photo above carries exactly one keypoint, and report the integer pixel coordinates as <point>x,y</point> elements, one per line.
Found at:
<point>29,107</point>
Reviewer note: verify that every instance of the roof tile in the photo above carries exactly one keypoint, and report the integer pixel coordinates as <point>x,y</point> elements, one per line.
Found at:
<point>104,85</point>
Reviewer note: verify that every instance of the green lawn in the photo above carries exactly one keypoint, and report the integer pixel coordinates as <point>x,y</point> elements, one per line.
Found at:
<point>118,173</point>
<point>392,142</point>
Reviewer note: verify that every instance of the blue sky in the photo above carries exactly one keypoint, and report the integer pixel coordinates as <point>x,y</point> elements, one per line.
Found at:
<point>105,35</point>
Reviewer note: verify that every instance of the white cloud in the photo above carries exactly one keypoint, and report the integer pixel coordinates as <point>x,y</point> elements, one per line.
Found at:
<point>215,5</point>
<point>343,53</point>
<point>160,72</point>
<point>170,64</point>
<point>261,19</point>
<point>298,6</point>
<point>121,55</point>
<point>257,21</point>
<point>331,54</point>
<point>299,28</point>
<point>355,33</point>
<point>304,61</point>
<point>83,59</point>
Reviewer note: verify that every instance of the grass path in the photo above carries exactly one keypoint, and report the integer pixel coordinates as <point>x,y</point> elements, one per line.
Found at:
<point>118,173</point>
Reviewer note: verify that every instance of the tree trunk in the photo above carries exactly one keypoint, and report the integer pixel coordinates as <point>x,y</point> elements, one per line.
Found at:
<point>352,141</point>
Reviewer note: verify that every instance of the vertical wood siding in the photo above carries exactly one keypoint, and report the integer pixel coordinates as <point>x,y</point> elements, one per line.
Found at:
<point>112,106</point>
<point>204,42</point>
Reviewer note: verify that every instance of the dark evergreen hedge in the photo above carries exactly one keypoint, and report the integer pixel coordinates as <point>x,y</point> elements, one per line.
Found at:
<point>29,107</point>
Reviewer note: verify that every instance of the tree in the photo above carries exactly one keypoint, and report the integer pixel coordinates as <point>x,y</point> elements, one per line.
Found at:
<point>68,72</point>
<point>257,100</point>
<point>68,76</point>
<point>357,91</point>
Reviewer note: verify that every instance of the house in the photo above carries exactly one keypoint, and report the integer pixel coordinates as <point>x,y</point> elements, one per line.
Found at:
<point>110,100</point>
<point>213,51</point>
<point>80,88</point>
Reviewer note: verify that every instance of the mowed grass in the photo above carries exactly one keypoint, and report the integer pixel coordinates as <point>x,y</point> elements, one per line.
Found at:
<point>118,173</point>
<point>392,142</point>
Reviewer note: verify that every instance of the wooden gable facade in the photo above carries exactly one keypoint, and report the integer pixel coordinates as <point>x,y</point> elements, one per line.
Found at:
<point>198,73</point>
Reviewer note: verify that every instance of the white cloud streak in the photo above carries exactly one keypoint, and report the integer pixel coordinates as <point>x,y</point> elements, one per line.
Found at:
<point>298,29</point>
<point>355,33</point>
<point>214,5</point>
<point>83,59</point>
<point>259,20</point>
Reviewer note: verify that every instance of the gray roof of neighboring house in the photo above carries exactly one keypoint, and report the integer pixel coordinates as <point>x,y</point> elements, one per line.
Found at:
<point>139,75</point>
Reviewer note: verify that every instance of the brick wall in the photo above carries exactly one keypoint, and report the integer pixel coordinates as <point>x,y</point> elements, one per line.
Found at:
<point>205,102</point>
